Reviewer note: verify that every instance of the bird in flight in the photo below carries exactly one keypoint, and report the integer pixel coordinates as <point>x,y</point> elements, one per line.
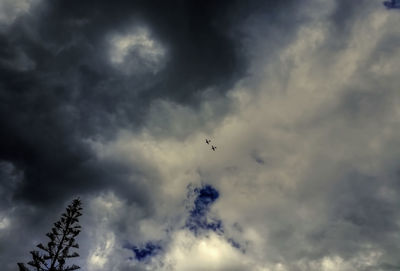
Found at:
<point>213,147</point>
<point>208,141</point>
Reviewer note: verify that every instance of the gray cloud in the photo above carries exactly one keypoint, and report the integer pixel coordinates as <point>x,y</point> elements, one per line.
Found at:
<point>301,100</point>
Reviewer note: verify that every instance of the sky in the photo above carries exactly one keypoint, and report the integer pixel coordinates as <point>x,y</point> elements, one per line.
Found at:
<point>111,101</point>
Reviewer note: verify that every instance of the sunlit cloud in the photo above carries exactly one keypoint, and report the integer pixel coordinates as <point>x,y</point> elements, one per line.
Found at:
<point>137,52</point>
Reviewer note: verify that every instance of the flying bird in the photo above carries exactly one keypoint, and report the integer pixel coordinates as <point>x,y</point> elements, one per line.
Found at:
<point>213,147</point>
<point>208,141</point>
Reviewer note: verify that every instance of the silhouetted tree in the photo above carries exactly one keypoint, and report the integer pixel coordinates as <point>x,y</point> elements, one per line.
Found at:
<point>62,239</point>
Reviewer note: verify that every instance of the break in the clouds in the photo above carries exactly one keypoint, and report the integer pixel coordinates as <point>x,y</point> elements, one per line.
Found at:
<point>112,101</point>
<point>393,4</point>
<point>136,52</point>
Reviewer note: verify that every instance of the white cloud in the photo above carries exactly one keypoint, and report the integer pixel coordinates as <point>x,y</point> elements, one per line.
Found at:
<point>103,211</point>
<point>336,263</point>
<point>137,52</point>
<point>4,222</point>
<point>285,152</point>
<point>103,247</point>
<point>205,253</point>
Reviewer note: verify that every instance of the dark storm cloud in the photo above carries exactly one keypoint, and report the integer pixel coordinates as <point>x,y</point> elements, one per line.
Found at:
<point>66,90</point>
<point>345,13</point>
<point>58,88</point>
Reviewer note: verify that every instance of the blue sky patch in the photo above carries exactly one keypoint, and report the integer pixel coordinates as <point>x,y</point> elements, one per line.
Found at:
<point>392,4</point>
<point>141,253</point>
<point>198,220</point>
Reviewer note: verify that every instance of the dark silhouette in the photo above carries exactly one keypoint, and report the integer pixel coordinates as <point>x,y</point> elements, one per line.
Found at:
<point>213,147</point>
<point>62,239</point>
<point>208,141</point>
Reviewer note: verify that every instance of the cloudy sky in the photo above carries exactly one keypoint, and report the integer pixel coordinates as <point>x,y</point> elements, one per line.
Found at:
<point>112,101</point>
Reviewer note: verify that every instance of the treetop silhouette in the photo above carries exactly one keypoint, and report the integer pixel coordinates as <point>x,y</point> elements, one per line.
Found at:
<point>62,238</point>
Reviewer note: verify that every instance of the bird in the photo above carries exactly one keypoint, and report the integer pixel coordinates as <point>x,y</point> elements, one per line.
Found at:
<point>208,141</point>
<point>213,147</point>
